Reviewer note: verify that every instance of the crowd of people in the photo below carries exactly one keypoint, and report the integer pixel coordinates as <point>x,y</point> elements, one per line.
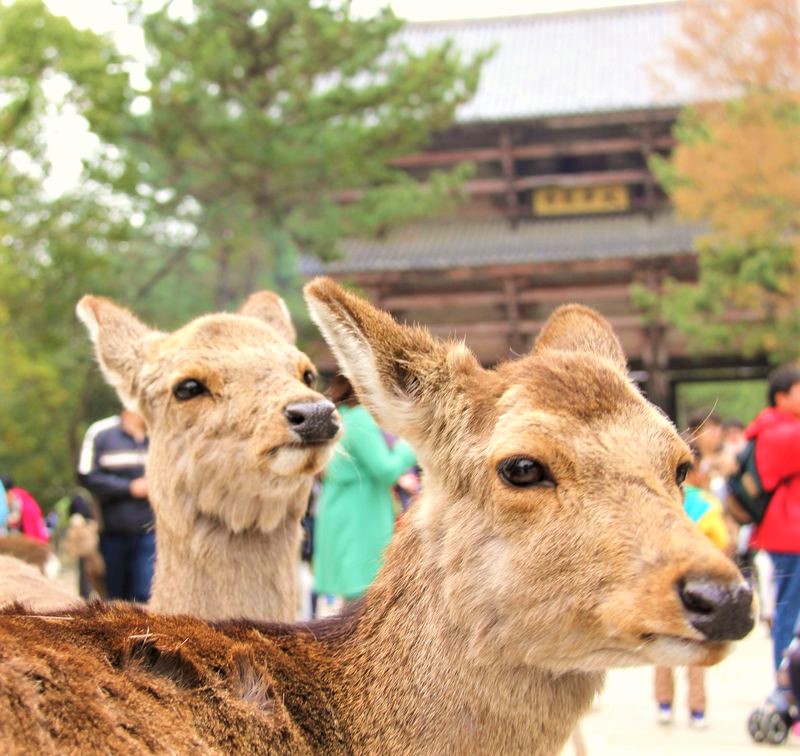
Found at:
<point>111,498</point>
<point>767,551</point>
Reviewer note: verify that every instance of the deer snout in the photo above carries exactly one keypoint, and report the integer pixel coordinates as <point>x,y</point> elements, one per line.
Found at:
<point>720,611</point>
<point>314,422</point>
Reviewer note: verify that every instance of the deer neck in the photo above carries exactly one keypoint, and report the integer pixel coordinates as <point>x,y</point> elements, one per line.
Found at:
<point>413,683</point>
<point>206,570</point>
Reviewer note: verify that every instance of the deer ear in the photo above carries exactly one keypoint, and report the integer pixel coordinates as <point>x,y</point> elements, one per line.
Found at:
<point>270,308</point>
<point>574,328</point>
<point>119,339</point>
<point>400,373</point>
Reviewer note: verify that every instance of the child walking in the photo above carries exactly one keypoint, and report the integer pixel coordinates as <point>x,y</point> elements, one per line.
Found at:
<point>704,509</point>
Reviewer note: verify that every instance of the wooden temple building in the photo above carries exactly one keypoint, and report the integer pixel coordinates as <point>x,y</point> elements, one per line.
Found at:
<point>562,206</point>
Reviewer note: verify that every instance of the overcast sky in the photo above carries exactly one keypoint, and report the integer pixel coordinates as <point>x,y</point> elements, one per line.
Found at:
<point>103,15</point>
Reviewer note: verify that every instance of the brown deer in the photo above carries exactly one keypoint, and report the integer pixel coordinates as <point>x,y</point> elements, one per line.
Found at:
<point>237,434</point>
<point>549,544</point>
<point>31,552</point>
<point>22,582</point>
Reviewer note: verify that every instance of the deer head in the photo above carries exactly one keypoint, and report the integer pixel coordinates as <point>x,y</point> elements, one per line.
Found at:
<point>233,418</point>
<point>552,507</point>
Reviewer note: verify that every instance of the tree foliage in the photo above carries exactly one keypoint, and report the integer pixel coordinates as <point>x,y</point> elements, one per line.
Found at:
<point>737,400</point>
<point>271,128</point>
<point>52,249</point>
<point>737,168</point>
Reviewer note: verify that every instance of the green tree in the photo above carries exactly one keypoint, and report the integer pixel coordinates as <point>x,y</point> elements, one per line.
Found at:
<point>270,128</point>
<point>740,400</point>
<point>52,249</point>
<point>737,168</point>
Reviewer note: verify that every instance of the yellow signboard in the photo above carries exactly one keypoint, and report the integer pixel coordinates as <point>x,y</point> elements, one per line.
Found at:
<point>586,200</point>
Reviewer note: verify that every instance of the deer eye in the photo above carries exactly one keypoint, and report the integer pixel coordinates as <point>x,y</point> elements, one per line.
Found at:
<point>188,389</point>
<point>309,378</point>
<point>682,472</point>
<point>524,472</point>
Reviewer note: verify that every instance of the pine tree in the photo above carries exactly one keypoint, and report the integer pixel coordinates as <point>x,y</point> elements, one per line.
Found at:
<point>270,129</point>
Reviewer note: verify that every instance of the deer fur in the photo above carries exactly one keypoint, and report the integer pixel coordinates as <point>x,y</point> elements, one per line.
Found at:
<point>228,478</point>
<point>23,583</point>
<point>496,612</point>
<point>82,542</point>
<point>30,551</point>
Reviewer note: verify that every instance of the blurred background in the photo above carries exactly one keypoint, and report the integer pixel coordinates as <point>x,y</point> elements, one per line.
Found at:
<point>468,172</point>
<point>466,165</point>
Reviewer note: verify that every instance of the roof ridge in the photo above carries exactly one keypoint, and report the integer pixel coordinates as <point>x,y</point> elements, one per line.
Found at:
<point>607,10</point>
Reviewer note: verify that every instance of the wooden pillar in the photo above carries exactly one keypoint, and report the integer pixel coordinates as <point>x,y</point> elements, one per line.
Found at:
<point>672,401</point>
<point>656,353</point>
<point>516,340</point>
<point>646,133</point>
<point>509,176</point>
<point>656,363</point>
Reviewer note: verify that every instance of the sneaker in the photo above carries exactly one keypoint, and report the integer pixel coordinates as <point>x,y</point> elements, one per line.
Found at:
<point>697,720</point>
<point>665,713</point>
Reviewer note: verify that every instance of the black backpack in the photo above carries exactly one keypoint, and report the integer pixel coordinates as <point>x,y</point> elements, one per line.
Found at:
<point>745,485</point>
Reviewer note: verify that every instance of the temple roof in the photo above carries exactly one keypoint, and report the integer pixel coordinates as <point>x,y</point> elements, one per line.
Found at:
<point>594,61</point>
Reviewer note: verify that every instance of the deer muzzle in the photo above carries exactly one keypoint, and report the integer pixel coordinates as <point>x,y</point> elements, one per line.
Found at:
<point>720,611</point>
<point>313,422</point>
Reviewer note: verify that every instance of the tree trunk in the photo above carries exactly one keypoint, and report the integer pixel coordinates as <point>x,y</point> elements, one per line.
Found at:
<point>222,292</point>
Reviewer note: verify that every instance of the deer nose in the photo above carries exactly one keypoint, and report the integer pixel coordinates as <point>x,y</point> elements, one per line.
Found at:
<point>719,611</point>
<point>313,421</point>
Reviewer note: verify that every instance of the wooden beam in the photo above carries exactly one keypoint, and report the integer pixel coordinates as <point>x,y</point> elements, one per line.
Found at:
<point>552,294</point>
<point>576,148</point>
<point>600,269</point>
<point>594,178</point>
<point>545,180</point>
<point>568,180</point>
<point>442,299</point>
<point>588,147</point>
<point>448,157</point>
<point>570,293</point>
<point>509,183</point>
<point>632,117</point>
<point>486,186</point>
<point>530,327</point>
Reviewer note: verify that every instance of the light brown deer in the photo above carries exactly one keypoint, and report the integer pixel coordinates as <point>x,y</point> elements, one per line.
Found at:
<point>23,583</point>
<point>549,544</point>
<point>237,434</point>
<point>31,552</point>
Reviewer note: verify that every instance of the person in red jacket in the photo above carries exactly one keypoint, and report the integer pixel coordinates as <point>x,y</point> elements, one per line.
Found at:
<point>777,433</point>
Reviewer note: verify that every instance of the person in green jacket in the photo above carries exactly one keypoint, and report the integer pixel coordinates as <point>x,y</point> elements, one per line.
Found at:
<point>355,515</point>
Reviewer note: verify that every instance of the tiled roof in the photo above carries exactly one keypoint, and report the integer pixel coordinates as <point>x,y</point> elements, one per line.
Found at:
<point>566,63</point>
<point>448,244</point>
